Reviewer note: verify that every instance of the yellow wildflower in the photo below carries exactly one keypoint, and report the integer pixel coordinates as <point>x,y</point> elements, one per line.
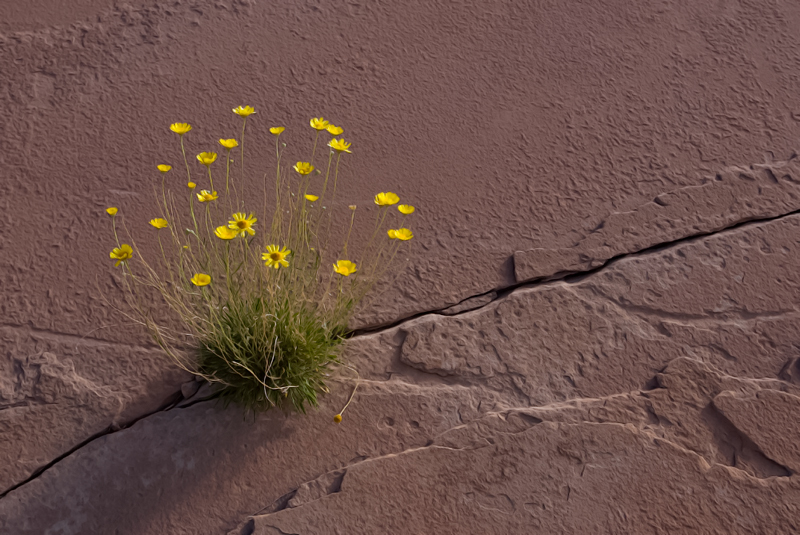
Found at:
<point>335,130</point>
<point>180,128</point>
<point>406,209</point>
<point>229,143</point>
<point>201,279</point>
<point>159,222</point>
<point>352,206</point>
<point>386,199</point>
<point>207,158</point>
<point>276,130</point>
<point>392,234</point>
<point>311,198</point>
<point>275,258</point>
<point>206,196</point>
<point>243,111</point>
<point>403,234</point>
<point>242,223</point>
<point>112,211</point>
<point>191,185</point>
<point>337,418</point>
<point>319,124</point>
<point>121,253</point>
<point>345,267</point>
<point>164,168</point>
<point>304,168</point>
<point>339,145</point>
<point>224,233</point>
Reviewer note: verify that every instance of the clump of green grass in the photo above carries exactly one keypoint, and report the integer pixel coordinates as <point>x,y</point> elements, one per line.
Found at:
<point>254,309</point>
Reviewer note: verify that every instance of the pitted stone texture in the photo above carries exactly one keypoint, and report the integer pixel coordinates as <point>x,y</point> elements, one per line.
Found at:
<point>730,300</point>
<point>592,466</point>
<point>202,469</point>
<point>732,196</point>
<point>771,419</point>
<point>505,124</point>
<point>57,391</point>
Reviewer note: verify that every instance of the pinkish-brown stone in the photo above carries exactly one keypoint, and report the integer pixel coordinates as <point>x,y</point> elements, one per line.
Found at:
<point>534,140</point>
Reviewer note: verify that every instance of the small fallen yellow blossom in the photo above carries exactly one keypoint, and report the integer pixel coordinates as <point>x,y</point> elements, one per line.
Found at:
<point>335,130</point>
<point>224,233</point>
<point>180,128</point>
<point>164,168</point>
<point>206,196</point>
<point>159,222</point>
<point>121,253</point>
<point>319,123</point>
<point>304,168</point>
<point>345,267</point>
<point>311,198</point>
<point>403,234</point>
<point>229,143</point>
<point>276,130</point>
<point>207,158</point>
<point>201,279</point>
<point>242,223</point>
<point>340,145</point>
<point>275,258</point>
<point>406,209</point>
<point>112,211</point>
<point>386,199</point>
<point>244,111</point>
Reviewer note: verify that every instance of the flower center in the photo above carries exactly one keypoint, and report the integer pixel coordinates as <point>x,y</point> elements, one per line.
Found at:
<point>275,257</point>
<point>241,224</point>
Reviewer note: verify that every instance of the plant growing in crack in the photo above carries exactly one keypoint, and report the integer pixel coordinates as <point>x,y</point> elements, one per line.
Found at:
<point>258,310</point>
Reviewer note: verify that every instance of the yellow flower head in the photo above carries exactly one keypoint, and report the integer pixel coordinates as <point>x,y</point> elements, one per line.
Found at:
<point>201,279</point>
<point>242,223</point>
<point>164,168</point>
<point>275,257</point>
<point>304,168</point>
<point>159,222</point>
<point>121,253</point>
<point>345,267</point>
<point>312,198</point>
<point>207,196</point>
<point>406,209</point>
<point>112,211</point>
<point>352,207</point>
<point>386,199</point>
<point>403,234</point>
<point>340,145</point>
<point>224,233</point>
<point>335,130</point>
<point>229,143</point>
<point>319,124</point>
<point>392,233</point>
<point>207,158</point>
<point>244,111</point>
<point>337,418</point>
<point>276,130</point>
<point>191,185</point>
<point>180,128</point>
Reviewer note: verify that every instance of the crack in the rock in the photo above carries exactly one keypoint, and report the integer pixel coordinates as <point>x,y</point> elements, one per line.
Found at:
<point>572,277</point>
<point>171,402</point>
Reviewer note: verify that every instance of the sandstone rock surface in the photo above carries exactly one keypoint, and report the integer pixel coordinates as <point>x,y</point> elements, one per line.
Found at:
<point>595,329</point>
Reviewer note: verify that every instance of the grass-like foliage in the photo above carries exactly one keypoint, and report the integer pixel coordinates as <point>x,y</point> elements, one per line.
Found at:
<point>259,311</point>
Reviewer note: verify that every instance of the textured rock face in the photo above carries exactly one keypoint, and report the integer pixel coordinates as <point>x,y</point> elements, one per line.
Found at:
<point>603,287</point>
